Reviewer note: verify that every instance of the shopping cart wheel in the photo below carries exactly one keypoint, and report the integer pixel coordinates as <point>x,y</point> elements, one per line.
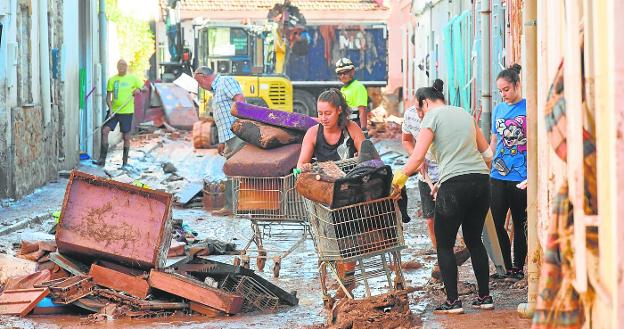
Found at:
<point>261,260</point>
<point>237,261</point>
<point>245,261</point>
<point>277,264</point>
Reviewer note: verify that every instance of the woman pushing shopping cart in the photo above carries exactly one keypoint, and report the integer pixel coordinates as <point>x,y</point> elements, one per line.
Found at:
<point>356,228</point>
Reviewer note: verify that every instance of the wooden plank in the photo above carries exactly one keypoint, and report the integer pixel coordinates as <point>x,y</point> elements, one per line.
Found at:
<point>189,192</point>
<point>21,301</point>
<point>68,264</point>
<point>196,291</point>
<point>177,261</point>
<point>109,278</point>
<point>490,241</point>
<point>574,115</point>
<point>205,310</point>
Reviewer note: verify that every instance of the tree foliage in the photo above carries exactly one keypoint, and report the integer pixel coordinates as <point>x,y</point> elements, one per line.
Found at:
<point>136,40</point>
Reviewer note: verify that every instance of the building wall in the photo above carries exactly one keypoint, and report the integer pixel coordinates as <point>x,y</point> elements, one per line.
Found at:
<point>399,21</point>
<point>39,135</point>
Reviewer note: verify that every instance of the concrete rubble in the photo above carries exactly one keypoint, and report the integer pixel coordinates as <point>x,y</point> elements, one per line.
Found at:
<point>111,257</point>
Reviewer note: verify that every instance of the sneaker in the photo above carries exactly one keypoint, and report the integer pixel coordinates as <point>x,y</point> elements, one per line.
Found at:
<point>484,303</point>
<point>450,308</point>
<point>497,276</point>
<point>515,275</point>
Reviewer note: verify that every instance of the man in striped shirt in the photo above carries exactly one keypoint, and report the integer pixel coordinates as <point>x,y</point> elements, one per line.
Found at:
<point>225,91</point>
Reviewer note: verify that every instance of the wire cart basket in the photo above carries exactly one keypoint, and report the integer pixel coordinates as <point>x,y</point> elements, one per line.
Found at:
<point>255,296</point>
<point>276,211</point>
<point>367,236</point>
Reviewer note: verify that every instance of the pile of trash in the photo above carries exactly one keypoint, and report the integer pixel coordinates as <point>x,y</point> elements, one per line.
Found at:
<point>117,253</point>
<point>384,311</point>
<point>384,126</point>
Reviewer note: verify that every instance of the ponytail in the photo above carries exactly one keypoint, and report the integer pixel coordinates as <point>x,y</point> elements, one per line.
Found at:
<point>435,92</point>
<point>334,97</point>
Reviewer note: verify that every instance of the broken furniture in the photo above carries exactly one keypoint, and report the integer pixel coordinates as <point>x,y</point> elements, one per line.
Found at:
<point>252,161</point>
<point>265,136</point>
<point>115,278</point>
<point>21,301</point>
<point>106,219</point>
<point>180,112</point>
<point>196,291</point>
<point>289,120</point>
<point>71,289</point>
<point>121,279</point>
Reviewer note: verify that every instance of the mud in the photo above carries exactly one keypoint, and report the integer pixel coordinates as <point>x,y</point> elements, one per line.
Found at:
<point>299,270</point>
<point>411,265</point>
<point>384,311</point>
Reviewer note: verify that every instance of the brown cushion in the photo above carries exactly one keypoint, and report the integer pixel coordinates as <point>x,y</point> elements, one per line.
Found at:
<point>263,135</point>
<point>253,161</point>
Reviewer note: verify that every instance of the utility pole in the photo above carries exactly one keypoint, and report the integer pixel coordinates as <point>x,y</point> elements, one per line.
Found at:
<point>486,81</point>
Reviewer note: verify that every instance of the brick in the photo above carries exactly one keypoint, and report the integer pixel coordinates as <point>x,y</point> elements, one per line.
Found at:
<point>196,291</point>
<point>109,278</point>
<point>110,220</point>
<point>176,249</point>
<point>291,120</point>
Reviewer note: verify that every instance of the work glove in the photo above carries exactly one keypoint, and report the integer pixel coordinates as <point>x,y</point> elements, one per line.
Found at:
<point>398,183</point>
<point>304,168</point>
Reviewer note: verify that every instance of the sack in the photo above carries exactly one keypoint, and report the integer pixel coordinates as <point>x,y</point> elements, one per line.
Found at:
<point>202,134</point>
<point>362,185</point>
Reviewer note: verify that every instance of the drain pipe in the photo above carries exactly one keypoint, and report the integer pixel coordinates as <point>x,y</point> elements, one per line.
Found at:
<point>486,82</point>
<point>101,76</point>
<point>529,18</point>
<point>103,48</point>
<point>44,61</point>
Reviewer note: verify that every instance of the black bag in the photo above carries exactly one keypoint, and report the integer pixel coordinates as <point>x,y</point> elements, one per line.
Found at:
<point>363,185</point>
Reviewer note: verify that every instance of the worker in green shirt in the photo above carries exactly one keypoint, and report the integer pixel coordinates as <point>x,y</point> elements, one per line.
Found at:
<point>120,92</point>
<point>354,92</point>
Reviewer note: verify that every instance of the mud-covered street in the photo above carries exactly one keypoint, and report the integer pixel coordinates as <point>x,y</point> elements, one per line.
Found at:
<point>298,270</point>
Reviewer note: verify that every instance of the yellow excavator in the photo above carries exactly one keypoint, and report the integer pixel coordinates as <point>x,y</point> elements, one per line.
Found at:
<point>290,76</point>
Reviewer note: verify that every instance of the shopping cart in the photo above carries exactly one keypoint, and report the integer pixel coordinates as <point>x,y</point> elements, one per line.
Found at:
<point>276,211</point>
<point>368,235</point>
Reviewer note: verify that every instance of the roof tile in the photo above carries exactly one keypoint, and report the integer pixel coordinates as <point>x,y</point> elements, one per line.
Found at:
<point>303,5</point>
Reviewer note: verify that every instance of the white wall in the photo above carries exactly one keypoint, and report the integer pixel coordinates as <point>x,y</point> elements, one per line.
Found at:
<point>69,70</point>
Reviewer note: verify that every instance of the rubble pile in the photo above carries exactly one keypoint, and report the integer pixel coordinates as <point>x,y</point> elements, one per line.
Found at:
<point>384,126</point>
<point>384,311</point>
<point>118,254</point>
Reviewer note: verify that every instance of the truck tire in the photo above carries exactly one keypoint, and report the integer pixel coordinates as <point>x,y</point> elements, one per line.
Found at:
<point>304,102</point>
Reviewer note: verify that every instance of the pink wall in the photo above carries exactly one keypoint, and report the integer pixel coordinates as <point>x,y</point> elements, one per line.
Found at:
<point>400,18</point>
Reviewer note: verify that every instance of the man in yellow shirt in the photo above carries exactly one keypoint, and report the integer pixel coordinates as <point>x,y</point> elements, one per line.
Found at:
<point>354,92</point>
<point>120,92</point>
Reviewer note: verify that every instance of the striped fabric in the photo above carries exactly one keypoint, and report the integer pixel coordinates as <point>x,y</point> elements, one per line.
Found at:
<point>224,89</point>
